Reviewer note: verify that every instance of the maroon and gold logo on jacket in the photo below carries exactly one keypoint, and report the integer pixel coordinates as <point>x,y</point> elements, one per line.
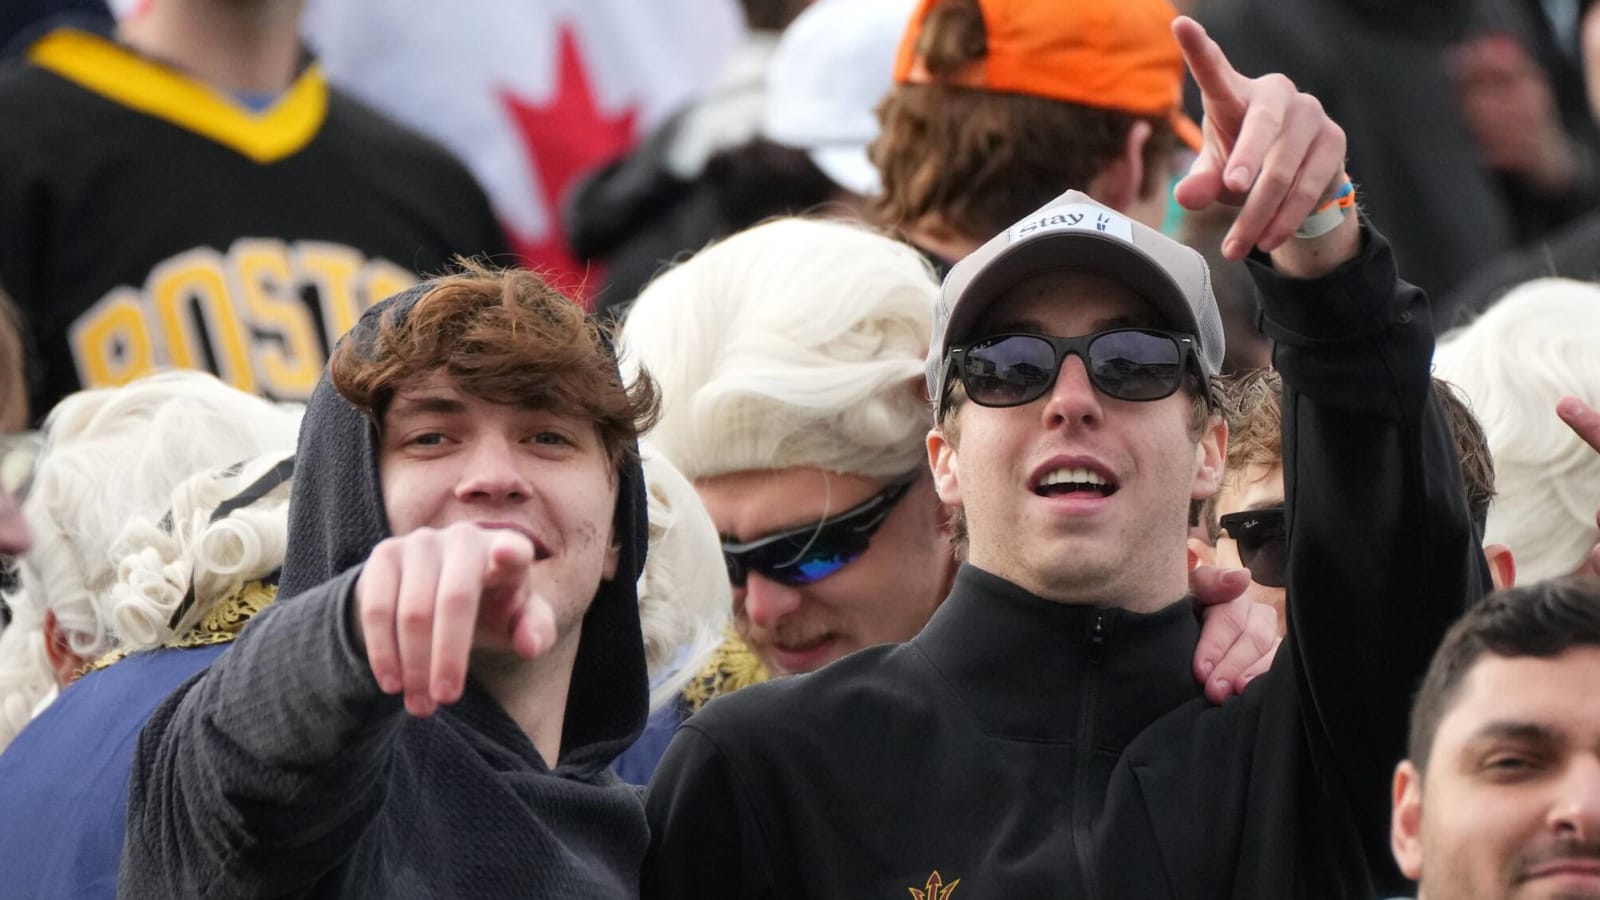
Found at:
<point>935,889</point>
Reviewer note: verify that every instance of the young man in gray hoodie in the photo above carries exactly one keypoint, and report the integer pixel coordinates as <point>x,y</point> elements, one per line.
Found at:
<point>430,708</point>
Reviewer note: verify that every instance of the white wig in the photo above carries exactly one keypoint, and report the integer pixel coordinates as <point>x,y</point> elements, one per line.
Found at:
<point>1537,344</point>
<point>684,597</point>
<point>100,561</point>
<point>798,342</point>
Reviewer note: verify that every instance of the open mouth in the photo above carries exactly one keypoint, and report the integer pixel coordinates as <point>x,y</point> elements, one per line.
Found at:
<point>1069,481</point>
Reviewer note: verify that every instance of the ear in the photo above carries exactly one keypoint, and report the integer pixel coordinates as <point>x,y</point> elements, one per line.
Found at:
<point>1117,185</point>
<point>1210,455</point>
<point>1200,553</point>
<point>946,468</point>
<point>1502,567</point>
<point>1405,825</point>
<point>63,661</point>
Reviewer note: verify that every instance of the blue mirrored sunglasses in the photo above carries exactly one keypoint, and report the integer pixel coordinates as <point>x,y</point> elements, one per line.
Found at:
<point>812,552</point>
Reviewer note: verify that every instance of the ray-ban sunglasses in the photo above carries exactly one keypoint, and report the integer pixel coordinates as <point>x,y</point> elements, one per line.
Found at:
<point>1263,543</point>
<point>1124,363</point>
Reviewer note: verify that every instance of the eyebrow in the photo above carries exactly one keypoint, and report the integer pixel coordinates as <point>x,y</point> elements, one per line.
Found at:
<point>420,404</point>
<point>1515,731</point>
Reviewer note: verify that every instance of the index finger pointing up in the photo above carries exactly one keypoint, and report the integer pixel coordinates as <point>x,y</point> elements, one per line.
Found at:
<point>1217,78</point>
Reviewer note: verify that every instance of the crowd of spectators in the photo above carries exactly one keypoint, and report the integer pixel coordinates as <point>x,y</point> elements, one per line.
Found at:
<point>1000,448</point>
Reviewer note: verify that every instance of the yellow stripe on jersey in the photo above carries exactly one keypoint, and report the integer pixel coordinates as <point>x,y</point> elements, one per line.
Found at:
<point>113,71</point>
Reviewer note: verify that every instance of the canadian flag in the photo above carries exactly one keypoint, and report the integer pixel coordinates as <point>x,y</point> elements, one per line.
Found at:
<point>530,94</point>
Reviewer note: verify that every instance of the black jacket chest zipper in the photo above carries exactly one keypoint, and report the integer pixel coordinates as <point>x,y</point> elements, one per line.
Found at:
<point>1083,750</point>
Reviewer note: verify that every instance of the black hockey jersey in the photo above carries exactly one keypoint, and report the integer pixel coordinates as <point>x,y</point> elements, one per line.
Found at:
<point>149,221</point>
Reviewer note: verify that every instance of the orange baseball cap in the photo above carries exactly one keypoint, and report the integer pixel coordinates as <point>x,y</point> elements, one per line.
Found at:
<point>1112,54</point>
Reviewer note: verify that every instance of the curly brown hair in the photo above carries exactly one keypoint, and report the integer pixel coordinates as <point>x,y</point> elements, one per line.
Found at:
<point>506,336</point>
<point>975,161</point>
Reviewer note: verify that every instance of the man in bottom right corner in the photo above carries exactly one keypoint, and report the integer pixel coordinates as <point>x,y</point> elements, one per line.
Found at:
<point>1500,794</point>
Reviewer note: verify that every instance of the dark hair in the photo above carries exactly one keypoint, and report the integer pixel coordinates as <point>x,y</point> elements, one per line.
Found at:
<point>760,180</point>
<point>1543,620</point>
<point>771,15</point>
<point>976,161</point>
<point>505,336</point>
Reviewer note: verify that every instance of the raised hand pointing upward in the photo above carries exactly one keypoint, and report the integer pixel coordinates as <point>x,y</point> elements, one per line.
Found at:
<point>1270,149</point>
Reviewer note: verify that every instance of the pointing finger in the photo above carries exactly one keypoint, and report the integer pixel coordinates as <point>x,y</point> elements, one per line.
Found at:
<point>460,591</point>
<point>1219,82</point>
<point>376,590</point>
<point>414,618</point>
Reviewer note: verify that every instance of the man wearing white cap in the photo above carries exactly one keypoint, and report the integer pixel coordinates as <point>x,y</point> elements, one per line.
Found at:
<point>1037,739</point>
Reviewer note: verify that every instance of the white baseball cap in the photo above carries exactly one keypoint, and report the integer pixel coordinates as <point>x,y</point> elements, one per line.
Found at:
<point>833,66</point>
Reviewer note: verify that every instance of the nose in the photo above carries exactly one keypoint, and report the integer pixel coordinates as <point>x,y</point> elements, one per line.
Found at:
<point>766,602</point>
<point>1577,807</point>
<point>1073,399</point>
<point>492,472</point>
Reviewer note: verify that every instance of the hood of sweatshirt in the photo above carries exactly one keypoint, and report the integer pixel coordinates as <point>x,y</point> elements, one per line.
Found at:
<point>336,517</point>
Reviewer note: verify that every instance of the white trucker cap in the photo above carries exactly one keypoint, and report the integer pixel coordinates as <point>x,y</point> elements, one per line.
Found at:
<point>1074,232</point>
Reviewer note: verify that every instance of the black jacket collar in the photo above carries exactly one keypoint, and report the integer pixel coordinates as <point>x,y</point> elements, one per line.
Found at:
<point>1030,669</point>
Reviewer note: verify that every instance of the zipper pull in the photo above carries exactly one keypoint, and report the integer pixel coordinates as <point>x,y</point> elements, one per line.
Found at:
<point>1097,638</point>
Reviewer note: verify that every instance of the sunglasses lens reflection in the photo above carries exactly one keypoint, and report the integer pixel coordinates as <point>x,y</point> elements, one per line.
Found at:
<point>1135,365</point>
<point>1125,364</point>
<point>1010,371</point>
<point>814,568</point>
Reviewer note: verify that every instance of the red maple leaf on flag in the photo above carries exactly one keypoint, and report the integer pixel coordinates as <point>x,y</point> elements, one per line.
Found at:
<point>564,138</point>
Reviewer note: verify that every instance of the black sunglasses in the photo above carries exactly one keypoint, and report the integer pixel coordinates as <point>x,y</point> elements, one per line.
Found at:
<point>812,552</point>
<point>1263,543</point>
<point>1125,363</point>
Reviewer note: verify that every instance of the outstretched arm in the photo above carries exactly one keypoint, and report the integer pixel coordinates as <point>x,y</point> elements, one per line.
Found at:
<point>1381,554</point>
<point>277,749</point>
<point>262,774</point>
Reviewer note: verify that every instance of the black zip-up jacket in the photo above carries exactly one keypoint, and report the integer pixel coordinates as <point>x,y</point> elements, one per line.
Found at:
<point>1021,748</point>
